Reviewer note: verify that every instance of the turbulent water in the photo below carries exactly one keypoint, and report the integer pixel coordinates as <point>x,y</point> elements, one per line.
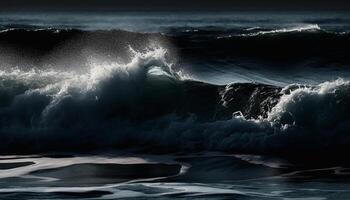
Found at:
<point>133,105</point>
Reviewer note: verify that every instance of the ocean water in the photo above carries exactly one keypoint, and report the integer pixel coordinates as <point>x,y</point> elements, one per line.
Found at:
<point>188,105</point>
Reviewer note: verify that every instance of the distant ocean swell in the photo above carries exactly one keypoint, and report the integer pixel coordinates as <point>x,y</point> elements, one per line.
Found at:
<point>276,48</point>
<point>131,94</point>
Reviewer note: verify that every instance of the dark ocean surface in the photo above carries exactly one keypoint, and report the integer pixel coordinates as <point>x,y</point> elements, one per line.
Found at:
<point>201,105</point>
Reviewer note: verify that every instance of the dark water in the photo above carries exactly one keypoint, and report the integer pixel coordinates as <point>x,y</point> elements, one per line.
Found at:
<point>140,101</point>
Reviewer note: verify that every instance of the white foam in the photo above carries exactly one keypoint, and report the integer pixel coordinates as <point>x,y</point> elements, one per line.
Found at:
<point>299,97</point>
<point>299,28</point>
<point>61,84</point>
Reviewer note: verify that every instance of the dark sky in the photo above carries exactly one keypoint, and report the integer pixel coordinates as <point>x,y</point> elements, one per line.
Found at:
<point>100,5</point>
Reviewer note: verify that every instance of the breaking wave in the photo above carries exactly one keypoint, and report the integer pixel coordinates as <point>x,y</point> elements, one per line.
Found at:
<point>145,104</point>
<point>114,90</point>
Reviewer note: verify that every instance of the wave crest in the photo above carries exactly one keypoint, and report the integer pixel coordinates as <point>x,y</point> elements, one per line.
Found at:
<point>322,108</point>
<point>302,28</point>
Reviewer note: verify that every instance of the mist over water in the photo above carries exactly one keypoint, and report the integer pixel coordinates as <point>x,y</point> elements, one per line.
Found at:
<point>98,98</point>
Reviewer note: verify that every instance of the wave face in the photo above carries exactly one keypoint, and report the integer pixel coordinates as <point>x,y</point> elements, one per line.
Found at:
<point>279,49</point>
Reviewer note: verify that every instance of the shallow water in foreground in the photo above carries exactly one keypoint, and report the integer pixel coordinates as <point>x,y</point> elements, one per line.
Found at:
<point>201,176</point>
